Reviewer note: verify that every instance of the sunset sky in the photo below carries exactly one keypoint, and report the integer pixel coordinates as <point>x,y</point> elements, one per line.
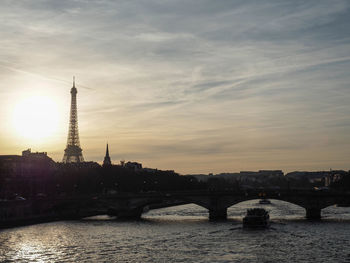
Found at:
<point>195,86</point>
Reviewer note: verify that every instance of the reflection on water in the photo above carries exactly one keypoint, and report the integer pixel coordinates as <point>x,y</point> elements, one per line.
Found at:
<point>184,234</point>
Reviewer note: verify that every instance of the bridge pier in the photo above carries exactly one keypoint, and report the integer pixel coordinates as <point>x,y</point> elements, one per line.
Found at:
<point>313,213</point>
<point>218,214</point>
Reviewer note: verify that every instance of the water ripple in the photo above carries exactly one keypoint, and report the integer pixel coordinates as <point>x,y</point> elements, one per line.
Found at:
<point>184,234</point>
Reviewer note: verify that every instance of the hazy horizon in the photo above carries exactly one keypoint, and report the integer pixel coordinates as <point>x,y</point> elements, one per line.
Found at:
<point>190,86</point>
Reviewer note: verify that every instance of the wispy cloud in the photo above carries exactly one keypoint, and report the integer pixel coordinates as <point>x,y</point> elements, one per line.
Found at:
<point>222,85</point>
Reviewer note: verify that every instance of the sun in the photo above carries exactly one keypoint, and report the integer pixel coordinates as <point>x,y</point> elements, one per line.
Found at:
<point>35,118</point>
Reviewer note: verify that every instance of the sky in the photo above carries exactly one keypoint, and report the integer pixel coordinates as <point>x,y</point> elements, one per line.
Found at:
<point>192,86</point>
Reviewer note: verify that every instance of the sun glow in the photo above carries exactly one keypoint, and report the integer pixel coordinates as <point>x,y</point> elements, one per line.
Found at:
<point>35,118</point>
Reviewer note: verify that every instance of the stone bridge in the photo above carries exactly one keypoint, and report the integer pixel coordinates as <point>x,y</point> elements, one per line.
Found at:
<point>132,205</point>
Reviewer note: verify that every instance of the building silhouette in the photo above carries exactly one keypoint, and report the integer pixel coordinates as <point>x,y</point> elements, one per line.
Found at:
<point>29,164</point>
<point>107,159</point>
<point>73,152</point>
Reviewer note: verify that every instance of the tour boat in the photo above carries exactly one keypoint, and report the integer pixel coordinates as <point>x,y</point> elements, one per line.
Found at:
<point>256,218</point>
<point>264,201</point>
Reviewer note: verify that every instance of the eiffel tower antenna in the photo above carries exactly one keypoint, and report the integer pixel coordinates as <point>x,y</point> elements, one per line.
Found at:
<point>73,152</point>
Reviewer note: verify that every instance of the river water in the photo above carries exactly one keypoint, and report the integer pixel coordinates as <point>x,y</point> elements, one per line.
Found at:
<point>184,234</point>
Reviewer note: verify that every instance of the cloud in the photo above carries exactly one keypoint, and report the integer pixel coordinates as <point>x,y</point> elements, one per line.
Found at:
<point>268,79</point>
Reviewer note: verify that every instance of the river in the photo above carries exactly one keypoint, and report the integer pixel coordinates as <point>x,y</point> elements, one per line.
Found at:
<point>184,234</point>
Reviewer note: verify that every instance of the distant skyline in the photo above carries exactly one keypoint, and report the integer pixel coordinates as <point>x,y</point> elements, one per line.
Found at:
<point>195,86</point>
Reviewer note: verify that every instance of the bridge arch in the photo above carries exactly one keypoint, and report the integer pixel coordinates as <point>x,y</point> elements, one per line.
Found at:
<point>312,206</point>
<point>276,208</point>
<point>189,210</point>
<point>167,203</point>
<point>271,199</point>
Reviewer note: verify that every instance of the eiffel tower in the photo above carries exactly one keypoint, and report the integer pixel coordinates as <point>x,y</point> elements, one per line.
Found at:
<point>73,152</point>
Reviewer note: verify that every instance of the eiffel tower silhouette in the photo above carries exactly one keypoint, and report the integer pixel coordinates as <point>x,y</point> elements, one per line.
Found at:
<point>73,152</point>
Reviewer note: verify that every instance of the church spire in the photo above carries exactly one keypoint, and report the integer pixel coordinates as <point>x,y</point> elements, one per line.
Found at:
<point>107,151</point>
<point>107,159</point>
